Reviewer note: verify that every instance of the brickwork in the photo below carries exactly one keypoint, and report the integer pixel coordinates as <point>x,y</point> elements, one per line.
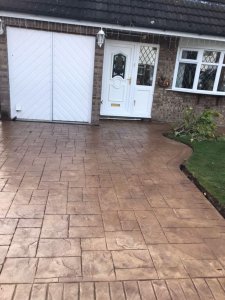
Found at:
<point>167,105</point>
<point>97,87</point>
<point>4,78</point>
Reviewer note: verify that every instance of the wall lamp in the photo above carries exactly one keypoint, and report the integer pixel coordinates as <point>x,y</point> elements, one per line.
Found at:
<point>1,27</point>
<point>100,37</point>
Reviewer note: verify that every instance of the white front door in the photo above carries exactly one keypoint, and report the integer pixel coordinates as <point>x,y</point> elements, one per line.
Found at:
<point>117,74</point>
<point>128,79</point>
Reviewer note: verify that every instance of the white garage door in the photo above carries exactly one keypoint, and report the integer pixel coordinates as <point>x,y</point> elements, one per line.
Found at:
<point>30,73</point>
<point>51,75</point>
<point>73,65</point>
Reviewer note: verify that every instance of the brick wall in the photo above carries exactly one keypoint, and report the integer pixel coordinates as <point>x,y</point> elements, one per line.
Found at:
<point>97,87</point>
<point>4,79</point>
<point>169,105</point>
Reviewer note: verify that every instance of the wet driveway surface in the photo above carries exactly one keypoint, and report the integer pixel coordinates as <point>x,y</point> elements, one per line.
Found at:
<point>103,213</point>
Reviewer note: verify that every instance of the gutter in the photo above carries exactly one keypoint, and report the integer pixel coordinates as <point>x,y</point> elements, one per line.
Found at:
<point>110,26</point>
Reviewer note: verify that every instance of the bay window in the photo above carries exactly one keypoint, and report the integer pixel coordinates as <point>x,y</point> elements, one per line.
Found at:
<point>200,71</point>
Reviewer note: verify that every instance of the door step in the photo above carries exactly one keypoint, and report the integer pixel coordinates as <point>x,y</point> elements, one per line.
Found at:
<point>124,118</point>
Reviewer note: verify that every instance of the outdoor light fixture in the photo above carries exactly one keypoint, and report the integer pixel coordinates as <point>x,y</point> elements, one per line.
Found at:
<point>1,27</point>
<point>100,38</point>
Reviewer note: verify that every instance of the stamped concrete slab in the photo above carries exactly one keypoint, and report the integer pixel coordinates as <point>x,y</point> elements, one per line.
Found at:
<point>55,226</point>
<point>120,240</point>
<point>58,247</point>
<point>97,265</point>
<point>104,212</point>
<point>26,211</point>
<point>7,226</point>
<point>18,270</point>
<point>23,291</point>
<point>58,267</point>
<point>126,259</point>
<point>23,248</point>
<point>3,252</point>
<point>86,220</point>
<point>5,239</point>
<point>93,244</point>
<point>7,291</point>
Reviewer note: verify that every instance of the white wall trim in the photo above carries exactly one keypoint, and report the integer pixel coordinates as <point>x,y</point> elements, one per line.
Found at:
<point>109,26</point>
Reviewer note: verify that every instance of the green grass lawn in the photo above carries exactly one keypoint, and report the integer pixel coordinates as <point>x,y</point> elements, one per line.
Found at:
<point>207,164</point>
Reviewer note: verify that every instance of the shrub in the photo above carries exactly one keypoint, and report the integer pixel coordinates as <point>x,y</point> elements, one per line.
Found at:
<point>198,127</point>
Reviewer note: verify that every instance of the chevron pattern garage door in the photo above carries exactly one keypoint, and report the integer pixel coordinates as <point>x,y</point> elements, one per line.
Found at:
<point>51,75</point>
<point>30,73</point>
<point>73,64</point>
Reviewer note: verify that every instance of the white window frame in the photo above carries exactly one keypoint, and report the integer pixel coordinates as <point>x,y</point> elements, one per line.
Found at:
<point>198,63</point>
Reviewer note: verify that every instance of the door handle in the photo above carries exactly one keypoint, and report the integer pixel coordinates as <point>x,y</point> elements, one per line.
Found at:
<point>129,79</point>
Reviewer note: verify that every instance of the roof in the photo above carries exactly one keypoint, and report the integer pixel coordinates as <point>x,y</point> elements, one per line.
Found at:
<point>192,16</point>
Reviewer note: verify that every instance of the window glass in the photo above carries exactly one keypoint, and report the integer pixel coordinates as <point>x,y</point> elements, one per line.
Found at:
<point>221,85</point>
<point>207,77</point>
<point>119,65</point>
<point>186,75</point>
<point>188,54</point>
<point>211,56</point>
<point>146,65</point>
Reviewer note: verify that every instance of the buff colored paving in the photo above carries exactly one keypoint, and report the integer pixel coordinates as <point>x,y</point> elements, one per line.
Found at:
<point>103,213</point>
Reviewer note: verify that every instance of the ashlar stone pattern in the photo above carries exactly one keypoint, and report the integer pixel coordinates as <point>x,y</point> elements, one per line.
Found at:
<point>103,213</point>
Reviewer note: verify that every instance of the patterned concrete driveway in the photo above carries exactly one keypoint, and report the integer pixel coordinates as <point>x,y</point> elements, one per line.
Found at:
<point>103,213</point>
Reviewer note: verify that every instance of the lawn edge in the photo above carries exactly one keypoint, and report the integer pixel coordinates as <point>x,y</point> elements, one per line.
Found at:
<point>213,200</point>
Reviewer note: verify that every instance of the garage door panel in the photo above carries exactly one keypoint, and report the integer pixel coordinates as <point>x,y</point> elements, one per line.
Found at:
<point>68,104</point>
<point>73,65</point>
<point>30,73</point>
<point>51,75</point>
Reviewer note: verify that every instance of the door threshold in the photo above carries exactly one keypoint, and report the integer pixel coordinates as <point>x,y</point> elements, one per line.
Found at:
<point>123,118</point>
<point>118,118</point>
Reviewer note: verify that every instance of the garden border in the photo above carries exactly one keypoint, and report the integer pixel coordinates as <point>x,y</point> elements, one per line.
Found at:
<point>207,195</point>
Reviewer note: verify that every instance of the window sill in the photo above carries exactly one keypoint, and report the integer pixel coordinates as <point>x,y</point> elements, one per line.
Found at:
<point>205,93</point>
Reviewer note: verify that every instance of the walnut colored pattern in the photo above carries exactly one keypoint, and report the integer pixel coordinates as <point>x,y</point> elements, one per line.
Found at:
<point>112,216</point>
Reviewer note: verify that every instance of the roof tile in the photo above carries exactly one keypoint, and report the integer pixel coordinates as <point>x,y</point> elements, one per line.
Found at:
<point>194,16</point>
